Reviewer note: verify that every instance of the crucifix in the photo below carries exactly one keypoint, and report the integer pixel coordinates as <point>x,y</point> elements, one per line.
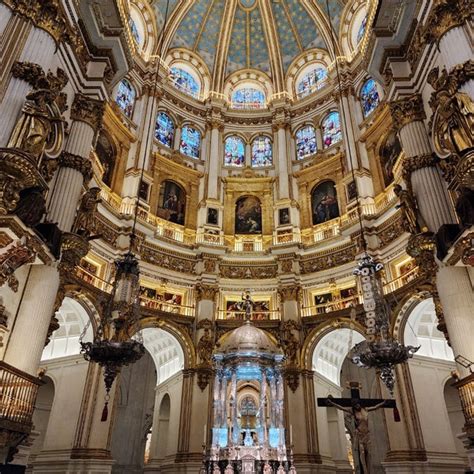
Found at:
<point>358,408</point>
<point>247,305</point>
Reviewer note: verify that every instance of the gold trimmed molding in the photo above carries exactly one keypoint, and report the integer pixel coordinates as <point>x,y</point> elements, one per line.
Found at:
<point>44,14</point>
<point>446,15</point>
<point>413,163</point>
<point>88,110</point>
<point>407,110</point>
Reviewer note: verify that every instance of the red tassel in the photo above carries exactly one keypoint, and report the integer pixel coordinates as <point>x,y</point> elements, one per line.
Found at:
<point>105,412</point>
<point>396,415</point>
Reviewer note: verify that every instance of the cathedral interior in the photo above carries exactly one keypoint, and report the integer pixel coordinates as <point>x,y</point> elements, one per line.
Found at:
<point>236,236</point>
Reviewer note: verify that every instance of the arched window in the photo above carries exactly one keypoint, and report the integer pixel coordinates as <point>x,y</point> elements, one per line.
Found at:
<point>185,82</point>
<point>305,142</point>
<point>369,97</point>
<point>125,97</point>
<point>164,129</point>
<point>262,152</point>
<point>248,98</point>
<point>248,215</point>
<point>324,202</point>
<point>361,31</point>
<point>172,202</point>
<point>190,142</point>
<point>311,81</point>
<point>331,129</point>
<point>234,151</point>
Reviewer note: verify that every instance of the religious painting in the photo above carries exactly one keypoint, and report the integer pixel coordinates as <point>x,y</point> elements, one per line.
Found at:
<point>320,301</point>
<point>406,271</point>
<point>262,152</point>
<point>172,202</point>
<point>351,190</point>
<point>389,153</point>
<point>212,216</point>
<point>311,81</point>
<point>324,203</point>
<point>248,215</point>
<point>190,144</point>
<point>125,97</point>
<point>164,129</point>
<point>234,151</point>
<point>184,81</point>
<point>331,128</point>
<point>305,142</point>
<point>147,292</point>
<point>106,153</point>
<point>234,310</point>
<point>369,97</point>
<point>284,216</point>
<point>348,296</point>
<point>143,190</point>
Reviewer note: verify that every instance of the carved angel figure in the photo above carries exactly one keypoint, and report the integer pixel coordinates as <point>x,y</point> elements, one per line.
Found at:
<point>413,220</point>
<point>205,347</point>
<point>85,220</point>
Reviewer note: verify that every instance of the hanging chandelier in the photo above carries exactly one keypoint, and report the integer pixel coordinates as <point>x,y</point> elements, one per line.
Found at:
<point>379,350</point>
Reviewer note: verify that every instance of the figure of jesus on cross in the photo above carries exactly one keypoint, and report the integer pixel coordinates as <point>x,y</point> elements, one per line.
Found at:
<point>358,408</point>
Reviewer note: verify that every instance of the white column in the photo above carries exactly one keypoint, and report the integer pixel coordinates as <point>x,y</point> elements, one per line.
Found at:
<point>283,186</point>
<point>177,137</point>
<point>5,15</point>
<point>414,139</point>
<point>455,48</point>
<point>214,164</point>
<point>457,299</point>
<point>31,325</point>
<point>39,49</point>
<point>348,133</point>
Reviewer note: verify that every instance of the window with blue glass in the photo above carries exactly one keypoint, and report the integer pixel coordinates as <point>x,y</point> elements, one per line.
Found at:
<point>369,97</point>
<point>311,81</point>
<point>361,32</point>
<point>164,129</point>
<point>262,152</point>
<point>185,82</point>
<point>305,142</point>
<point>234,151</point>
<point>190,144</point>
<point>125,97</point>
<point>134,30</point>
<point>331,128</point>
<point>248,98</point>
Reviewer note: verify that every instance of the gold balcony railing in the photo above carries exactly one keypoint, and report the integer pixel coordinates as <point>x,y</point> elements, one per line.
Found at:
<point>256,315</point>
<point>18,391</point>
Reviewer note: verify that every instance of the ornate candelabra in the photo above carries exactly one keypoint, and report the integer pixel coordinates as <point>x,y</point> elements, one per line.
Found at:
<point>113,346</point>
<point>379,351</point>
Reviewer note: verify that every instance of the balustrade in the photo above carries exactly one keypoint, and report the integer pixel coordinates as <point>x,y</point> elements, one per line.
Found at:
<point>256,315</point>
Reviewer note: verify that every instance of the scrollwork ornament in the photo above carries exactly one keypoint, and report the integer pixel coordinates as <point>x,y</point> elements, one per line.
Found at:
<point>407,110</point>
<point>422,248</point>
<point>88,110</point>
<point>414,163</point>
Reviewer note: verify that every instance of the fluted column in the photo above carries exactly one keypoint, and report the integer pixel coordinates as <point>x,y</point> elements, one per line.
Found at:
<point>5,15</point>
<point>215,160</point>
<point>30,327</point>
<point>419,166</point>
<point>282,159</point>
<point>457,299</point>
<point>75,165</point>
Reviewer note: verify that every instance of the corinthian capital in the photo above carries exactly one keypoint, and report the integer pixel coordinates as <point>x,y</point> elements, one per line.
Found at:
<point>86,109</point>
<point>407,110</point>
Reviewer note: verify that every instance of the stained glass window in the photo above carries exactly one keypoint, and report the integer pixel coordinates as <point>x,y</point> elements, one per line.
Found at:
<point>125,97</point>
<point>248,98</point>
<point>134,30</point>
<point>305,142</point>
<point>185,82</point>
<point>361,32</point>
<point>234,151</point>
<point>190,142</point>
<point>311,81</point>
<point>262,152</point>
<point>164,129</point>
<point>331,129</point>
<point>369,97</point>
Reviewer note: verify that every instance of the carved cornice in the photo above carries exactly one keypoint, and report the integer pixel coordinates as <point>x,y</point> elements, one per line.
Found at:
<point>88,110</point>
<point>76,162</point>
<point>407,110</point>
<point>446,15</point>
<point>44,14</point>
<point>413,163</point>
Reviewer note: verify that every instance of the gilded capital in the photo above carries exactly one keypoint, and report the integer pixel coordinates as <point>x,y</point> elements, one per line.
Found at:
<point>76,162</point>
<point>289,293</point>
<point>44,14</point>
<point>444,16</point>
<point>407,110</point>
<point>206,292</point>
<point>88,110</point>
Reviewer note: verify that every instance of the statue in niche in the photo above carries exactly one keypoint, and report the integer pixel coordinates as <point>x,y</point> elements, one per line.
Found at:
<point>413,221</point>
<point>289,341</point>
<point>85,223</point>
<point>205,347</point>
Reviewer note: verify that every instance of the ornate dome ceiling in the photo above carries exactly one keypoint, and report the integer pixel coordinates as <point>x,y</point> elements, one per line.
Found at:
<point>268,36</point>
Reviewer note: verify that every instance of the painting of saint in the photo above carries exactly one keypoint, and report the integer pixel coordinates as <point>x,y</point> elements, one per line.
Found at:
<point>106,153</point>
<point>212,216</point>
<point>172,202</point>
<point>321,301</point>
<point>248,215</point>
<point>324,203</point>
<point>284,216</point>
<point>389,154</point>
